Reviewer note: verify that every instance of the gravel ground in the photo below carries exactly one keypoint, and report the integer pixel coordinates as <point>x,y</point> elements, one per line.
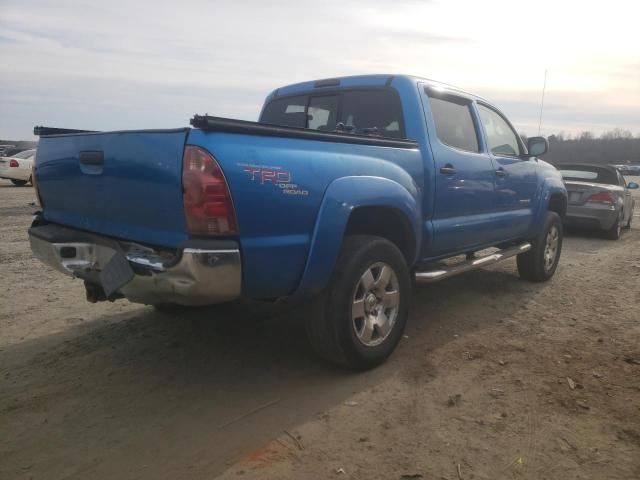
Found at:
<point>496,378</point>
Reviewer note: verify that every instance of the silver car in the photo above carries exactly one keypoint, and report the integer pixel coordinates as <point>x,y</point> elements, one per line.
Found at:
<point>599,198</point>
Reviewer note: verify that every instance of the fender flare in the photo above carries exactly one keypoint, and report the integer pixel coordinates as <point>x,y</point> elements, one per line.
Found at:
<point>550,186</point>
<point>341,198</point>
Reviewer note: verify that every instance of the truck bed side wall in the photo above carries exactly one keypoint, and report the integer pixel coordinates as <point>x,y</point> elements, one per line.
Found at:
<point>278,186</point>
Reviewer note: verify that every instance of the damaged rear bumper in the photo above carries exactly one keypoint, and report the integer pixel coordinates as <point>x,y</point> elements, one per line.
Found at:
<point>200,272</point>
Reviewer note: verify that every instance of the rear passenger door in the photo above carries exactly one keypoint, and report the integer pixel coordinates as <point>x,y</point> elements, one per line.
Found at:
<point>464,175</point>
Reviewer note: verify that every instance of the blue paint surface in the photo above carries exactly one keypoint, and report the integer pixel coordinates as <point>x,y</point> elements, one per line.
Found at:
<point>291,230</point>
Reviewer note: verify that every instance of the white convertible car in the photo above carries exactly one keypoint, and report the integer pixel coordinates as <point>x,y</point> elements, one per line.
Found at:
<point>17,168</point>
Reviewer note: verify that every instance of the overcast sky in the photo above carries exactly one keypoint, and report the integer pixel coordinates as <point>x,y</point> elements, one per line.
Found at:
<point>140,64</point>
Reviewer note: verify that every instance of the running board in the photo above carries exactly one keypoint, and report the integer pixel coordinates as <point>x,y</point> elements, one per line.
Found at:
<point>442,273</point>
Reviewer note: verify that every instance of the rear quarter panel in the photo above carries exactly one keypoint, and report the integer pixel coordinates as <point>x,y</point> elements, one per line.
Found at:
<point>278,186</point>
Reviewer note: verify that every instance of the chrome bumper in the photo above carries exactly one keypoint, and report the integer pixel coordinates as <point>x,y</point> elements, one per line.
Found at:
<point>194,276</point>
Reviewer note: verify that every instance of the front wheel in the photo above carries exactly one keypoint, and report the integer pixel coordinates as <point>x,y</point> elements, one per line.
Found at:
<point>359,319</point>
<point>540,263</point>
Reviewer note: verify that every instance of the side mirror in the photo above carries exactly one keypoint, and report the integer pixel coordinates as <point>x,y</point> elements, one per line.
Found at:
<point>632,185</point>
<point>537,146</point>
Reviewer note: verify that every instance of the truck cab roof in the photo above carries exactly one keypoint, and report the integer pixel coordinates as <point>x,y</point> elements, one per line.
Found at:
<point>373,80</point>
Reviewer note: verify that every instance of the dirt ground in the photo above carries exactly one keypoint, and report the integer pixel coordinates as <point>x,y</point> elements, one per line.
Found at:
<point>496,378</point>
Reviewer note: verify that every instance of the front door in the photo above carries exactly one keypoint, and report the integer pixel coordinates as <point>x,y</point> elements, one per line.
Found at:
<point>516,181</point>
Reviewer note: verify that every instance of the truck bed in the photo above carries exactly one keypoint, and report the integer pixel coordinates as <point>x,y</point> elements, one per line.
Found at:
<point>128,185</point>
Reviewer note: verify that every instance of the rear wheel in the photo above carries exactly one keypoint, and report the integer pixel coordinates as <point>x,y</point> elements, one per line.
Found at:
<point>540,263</point>
<point>359,319</point>
<point>19,183</point>
<point>615,231</point>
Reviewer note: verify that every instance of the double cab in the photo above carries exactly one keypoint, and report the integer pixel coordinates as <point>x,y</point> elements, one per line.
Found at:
<point>342,194</point>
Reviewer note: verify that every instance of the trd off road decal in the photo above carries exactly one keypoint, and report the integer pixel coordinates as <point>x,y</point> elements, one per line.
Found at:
<point>275,176</point>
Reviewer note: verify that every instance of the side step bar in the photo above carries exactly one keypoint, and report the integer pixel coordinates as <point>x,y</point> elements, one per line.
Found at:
<point>442,273</point>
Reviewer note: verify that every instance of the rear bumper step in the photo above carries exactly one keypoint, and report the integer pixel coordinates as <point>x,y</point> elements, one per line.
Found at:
<point>205,273</point>
<point>431,276</point>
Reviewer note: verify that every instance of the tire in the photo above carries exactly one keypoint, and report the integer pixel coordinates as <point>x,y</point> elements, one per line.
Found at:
<point>628,225</point>
<point>19,183</point>
<point>359,318</point>
<point>540,263</point>
<point>615,231</point>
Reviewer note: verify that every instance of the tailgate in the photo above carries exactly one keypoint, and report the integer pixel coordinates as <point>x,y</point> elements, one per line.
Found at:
<point>120,184</point>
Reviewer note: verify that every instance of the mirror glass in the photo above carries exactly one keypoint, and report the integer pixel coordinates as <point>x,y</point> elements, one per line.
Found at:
<point>537,146</point>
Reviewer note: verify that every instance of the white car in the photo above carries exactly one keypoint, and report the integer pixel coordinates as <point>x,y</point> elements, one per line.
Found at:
<point>17,168</point>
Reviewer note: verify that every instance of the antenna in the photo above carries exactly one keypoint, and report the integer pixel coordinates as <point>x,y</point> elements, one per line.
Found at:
<point>544,87</point>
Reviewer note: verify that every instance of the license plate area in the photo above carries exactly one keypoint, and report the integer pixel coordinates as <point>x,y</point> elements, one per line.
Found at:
<point>574,197</point>
<point>115,274</point>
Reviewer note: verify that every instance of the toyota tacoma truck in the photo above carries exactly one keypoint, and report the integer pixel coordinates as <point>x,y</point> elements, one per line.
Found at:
<point>344,193</point>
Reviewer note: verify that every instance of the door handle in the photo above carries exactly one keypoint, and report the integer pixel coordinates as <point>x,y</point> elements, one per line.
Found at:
<point>448,169</point>
<point>92,158</point>
<point>500,172</point>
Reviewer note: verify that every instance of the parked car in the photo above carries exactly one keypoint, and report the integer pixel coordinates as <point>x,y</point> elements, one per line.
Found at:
<point>11,151</point>
<point>17,168</point>
<point>4,147</point>
<point>342,192</point>
<point>631,170</point>
<point>599,198</point>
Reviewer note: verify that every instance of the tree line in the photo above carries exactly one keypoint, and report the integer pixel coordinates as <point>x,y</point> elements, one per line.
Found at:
<point>19,143</point>
<point>617,147</point>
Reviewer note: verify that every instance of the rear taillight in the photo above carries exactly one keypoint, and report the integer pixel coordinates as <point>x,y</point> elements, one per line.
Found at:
<point>207,202</point>
<point>602,197</point>
<point>14,163</point>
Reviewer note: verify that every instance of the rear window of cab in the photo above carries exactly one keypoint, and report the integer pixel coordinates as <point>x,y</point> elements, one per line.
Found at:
<point>594,175</point>
<point>366,112</point>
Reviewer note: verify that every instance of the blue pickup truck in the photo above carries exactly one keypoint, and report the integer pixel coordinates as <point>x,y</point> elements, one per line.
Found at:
<point>345,192</point>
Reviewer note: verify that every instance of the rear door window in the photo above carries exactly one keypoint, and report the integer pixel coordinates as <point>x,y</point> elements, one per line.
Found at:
<point>375,112</point>
<point>454,123</point>
<point>288,111</point>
